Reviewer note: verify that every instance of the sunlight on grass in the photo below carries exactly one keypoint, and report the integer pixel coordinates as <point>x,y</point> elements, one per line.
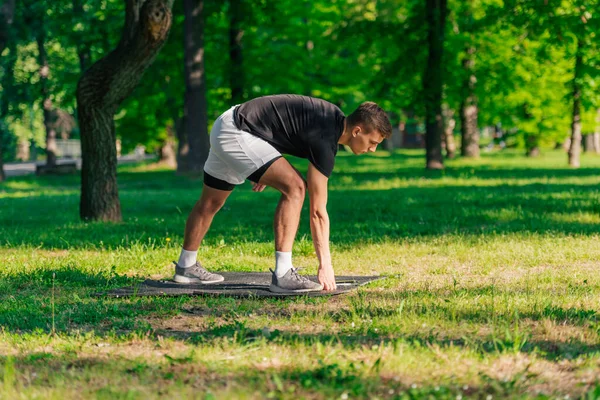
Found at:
<point>492,288</point>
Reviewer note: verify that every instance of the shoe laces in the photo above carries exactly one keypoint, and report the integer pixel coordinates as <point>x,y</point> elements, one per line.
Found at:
<point>297,276</point>
<point>200,270</point>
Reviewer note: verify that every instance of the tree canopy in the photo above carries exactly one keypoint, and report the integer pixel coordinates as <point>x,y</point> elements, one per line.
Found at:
<point>346,51</point>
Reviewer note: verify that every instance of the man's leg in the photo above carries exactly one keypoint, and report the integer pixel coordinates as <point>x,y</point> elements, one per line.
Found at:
<point>285,178</point>
<point>187,269</point>
<point>201,217</point>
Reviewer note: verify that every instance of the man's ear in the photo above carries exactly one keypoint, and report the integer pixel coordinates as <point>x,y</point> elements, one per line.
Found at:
<point>355,131</point>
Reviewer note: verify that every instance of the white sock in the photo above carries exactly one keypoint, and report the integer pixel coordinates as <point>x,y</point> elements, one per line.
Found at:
<point>283,262</point>
<point>187,258</point>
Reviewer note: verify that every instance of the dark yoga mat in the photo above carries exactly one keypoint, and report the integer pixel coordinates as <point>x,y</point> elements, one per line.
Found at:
<point>236,284</point>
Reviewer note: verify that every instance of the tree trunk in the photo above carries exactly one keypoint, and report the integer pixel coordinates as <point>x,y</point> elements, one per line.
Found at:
<point>533,151</point>
<point>410,130</point>
<point>167,150</point>
<point>236,70</point>
<point>532,141</point>
<point>2,175</point>
<point>468,109</point>
<point>33,148</point>
<point>592,140</point>
<point>49,112</point>
<point>100,92</point>
<point>448,138</point>
<point>532,144</point>
<point>597,132</point>
<point>183,148</point>
<point>388,144</point>
<point>195,107</point>
<point>7,12</point>
<point>433,82</point>
<point>575,148</point>
<point>401,134</point>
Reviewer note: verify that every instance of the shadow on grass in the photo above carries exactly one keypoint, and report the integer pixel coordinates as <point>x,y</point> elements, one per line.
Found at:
<point>329,379</point>
<point>41,301</point>
<point>500,342</point>
<point>156,205</point>
<point>552,350</point>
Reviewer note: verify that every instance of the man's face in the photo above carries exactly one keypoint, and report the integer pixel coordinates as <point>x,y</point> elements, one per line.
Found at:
<point>362,142</point>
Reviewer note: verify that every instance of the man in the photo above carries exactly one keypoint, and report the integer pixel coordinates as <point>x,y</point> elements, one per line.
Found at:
<point>247,142</point>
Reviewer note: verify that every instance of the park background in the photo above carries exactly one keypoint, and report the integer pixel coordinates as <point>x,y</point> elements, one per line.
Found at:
<point>482,209</point>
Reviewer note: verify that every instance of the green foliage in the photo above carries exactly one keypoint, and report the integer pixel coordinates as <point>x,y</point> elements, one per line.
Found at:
<point>347,52</point>
<point>555,31</point>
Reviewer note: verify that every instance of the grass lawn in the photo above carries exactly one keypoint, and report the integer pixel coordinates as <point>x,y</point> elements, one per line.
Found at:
<point>494,287</point>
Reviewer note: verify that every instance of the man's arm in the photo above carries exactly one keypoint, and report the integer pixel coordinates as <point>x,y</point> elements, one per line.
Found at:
<point>319,225</point>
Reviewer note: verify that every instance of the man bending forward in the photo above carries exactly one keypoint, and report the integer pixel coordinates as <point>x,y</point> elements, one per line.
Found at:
<point>247,142</point>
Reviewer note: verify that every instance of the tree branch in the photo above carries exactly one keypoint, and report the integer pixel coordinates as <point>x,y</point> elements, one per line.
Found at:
<point>109,81</point>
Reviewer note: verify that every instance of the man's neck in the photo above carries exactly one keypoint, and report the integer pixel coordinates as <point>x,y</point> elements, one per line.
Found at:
<point>346,135</point>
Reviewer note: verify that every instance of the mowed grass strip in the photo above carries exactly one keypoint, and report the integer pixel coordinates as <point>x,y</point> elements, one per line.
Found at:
<point>493,287</point>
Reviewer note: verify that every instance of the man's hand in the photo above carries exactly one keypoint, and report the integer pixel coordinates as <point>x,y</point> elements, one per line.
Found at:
<point>326,278</point>
<point>257,187</point>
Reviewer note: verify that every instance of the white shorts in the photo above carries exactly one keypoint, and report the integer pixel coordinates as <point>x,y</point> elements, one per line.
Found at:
<point>235,154</point>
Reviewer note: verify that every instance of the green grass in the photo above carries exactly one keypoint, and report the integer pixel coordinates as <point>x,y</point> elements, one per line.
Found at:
<point>494,287</point>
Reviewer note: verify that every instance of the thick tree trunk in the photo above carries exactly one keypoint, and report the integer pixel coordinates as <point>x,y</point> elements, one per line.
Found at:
<point>49,112</point>
<point>448,138</point>
<point>100,92</point>
<point>468,109</point>
<point>236,70</point>
<point>575,148</point>
<point>433,82</point>
<point>195,107</point>
<point>7,12</point>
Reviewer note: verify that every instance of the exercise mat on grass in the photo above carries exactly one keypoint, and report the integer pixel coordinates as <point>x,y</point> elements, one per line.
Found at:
<point>236,284</point>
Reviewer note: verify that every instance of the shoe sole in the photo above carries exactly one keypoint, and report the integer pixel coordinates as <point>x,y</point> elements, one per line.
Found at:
<point>185,279</point>
<point>277,289</point>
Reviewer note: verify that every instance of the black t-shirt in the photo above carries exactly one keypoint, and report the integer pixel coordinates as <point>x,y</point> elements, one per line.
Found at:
<point>297,125</point>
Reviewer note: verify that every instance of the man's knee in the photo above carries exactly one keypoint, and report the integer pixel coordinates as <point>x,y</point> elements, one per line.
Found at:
<point>209,205</point>
<point>295,189</point>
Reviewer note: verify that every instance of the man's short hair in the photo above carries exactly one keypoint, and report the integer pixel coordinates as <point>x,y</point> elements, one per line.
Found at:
<point>371,117</point>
